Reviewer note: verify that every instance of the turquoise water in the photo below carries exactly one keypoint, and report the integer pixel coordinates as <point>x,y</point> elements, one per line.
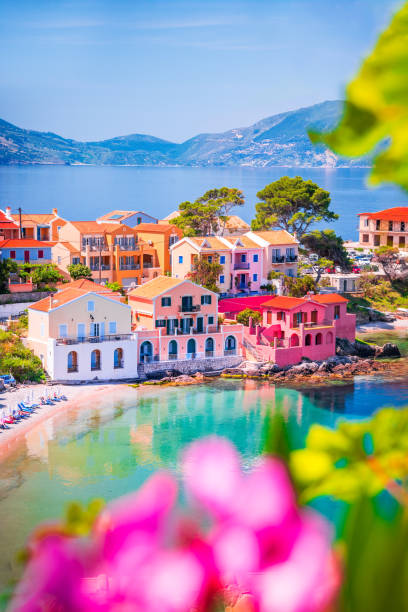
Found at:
<point>86,192</point>
<point>108,449</point>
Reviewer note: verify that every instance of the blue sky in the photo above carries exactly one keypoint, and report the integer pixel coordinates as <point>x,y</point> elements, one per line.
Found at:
<point>94,69</point>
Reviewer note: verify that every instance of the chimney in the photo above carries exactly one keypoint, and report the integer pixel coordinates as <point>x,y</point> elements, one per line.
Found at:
<point>8,212</point>
<point>55,212</point>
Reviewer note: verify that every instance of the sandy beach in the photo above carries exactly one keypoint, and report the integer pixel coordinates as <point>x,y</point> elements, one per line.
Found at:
<point>75,394</point>
<point>399,325</point>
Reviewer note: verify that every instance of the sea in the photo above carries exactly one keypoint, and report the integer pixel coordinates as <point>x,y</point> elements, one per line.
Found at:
<point>87,192</point>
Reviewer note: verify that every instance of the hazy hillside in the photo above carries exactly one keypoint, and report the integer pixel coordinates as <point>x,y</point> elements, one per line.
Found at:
<point>280,140</point>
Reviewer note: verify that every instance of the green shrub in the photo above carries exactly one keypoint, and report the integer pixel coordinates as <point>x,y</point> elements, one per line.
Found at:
<point>23,368</point>
<point>244,316</point>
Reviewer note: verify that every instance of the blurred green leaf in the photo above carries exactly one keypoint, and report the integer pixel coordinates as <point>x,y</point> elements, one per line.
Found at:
<point>376,107</point>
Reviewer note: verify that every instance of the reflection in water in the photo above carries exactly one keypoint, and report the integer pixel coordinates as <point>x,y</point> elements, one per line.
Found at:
<point>109,449</point>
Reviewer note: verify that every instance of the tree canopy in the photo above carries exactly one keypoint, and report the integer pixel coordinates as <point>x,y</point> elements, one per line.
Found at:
<point>299,286</point>
<point>292,204</point>
<point>393,265</point>
<point>206,273</point>
<point>208,214</point>
<point>246,314</point>
<point>42,275</point>
<point>77,271</point>
<point>376,108</point>
<point>7,266</point>
<point>326,244</point>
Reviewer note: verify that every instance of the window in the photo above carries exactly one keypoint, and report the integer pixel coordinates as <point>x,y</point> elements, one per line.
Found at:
<point>222,279</point>
<point>42,329</point>
<point>160,322</point>
<point>402,226</point>
<point>166,301</point>
<point>337,312</point>
<point>269,317</point>
<point>58,228</point>
<point>96,360</point>
<point>377,224</point>
<point>40,254</point>
<point>72,362</point>
<point>91,306</point>
<point>222,259</point>
<point>243,258</point>
<point>59,259</point>
<point>63,331</point>
<point>297,319</point>
<point>256,258</point>
<point>118,358</point>
<point>12,254</point>
<point>76,260</point>
<point>255,277</point>
<point>390,226</point>
<point>365,237</point>
<point>206,299</point>
<point>210,320</point>
<point>366,222</point>
<point>180,259</point>
<point>210,259</point>
<point>112,327</point>
<point>280,316</point>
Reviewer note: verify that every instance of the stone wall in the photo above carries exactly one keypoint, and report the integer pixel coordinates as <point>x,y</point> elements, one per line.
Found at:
<point>190,366</point>
<point>24,296</point>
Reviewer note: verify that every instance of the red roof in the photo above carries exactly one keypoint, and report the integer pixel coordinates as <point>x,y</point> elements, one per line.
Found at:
<point>285,303</point>
<point>329,298</point>
<point>398,213</point>
<point>234,305</point>
<point>24,243</point>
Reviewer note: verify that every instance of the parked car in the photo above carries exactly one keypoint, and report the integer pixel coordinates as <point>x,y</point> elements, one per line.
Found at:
<point>8,380</point>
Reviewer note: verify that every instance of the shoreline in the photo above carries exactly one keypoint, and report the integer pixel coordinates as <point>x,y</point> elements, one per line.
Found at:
<point>397,326</point>
<point>75,394</point>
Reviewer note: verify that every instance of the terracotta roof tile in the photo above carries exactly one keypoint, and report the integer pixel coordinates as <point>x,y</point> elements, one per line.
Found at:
<point>69,246</point>
<point>285,303</point>
<point>65,296</point>
<point>24,243</point>
<point>93,227</point>
<point>213,241</point>
<point>160,228</point>
<point>398,213</point>
<point>277,237</point>
<point>328,298</point>
<point>85,284</point>
<point>155,287</point>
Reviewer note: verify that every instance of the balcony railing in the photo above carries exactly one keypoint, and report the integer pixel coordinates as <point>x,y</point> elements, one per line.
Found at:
<point>95,247</point>
<point>148,264</point>
<point>241,266</point>
<point>278,259</point>
<point>149,358</point>
<point>291,258</point>
<point>209,353</point>
<point>92,339</point>
<point>189,308</point>
<point>96,268</point>
<point>230,352</point>
<point>129,266</point>
<point>131,246</point>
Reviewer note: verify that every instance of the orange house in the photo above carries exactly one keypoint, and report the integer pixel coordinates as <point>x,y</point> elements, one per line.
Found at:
<point>161,236</point>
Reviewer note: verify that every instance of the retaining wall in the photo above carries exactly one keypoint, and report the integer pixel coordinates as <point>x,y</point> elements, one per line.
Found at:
<point>191,366</point>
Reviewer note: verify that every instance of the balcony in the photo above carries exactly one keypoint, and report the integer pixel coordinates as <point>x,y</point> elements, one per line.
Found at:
<point>131,246</point>
<point>95,247</point>
<point>95,339</point>
<point>228,352</point>
<point>94,268</point>
<point>278,259</point>
<point>291,258</point>
<point>190,308</point>
<point>241,266</point>
<point>129,266</point>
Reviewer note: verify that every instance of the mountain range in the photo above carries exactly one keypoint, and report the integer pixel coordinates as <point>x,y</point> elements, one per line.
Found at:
<point>279,140</point>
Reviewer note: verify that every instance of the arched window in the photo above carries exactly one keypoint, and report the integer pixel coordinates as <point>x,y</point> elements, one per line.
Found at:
<point>173,349</point>
<point>294,340</point>
<point>230,345</point>
<point>118,358</point>
<point>191,349</point>
<point>209,347</point>
<point>72,365</point>
<point>308,340</point>
<point>96,360</point>
<point>318,339</point>
<point>146,352</point>
<point>329,338</point>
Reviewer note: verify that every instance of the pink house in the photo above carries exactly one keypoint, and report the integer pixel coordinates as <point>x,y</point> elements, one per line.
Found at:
<point>177,320</point>
<point>293,328</point>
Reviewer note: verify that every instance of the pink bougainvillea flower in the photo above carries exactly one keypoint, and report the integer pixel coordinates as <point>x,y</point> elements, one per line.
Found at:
<point>262,542</point>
